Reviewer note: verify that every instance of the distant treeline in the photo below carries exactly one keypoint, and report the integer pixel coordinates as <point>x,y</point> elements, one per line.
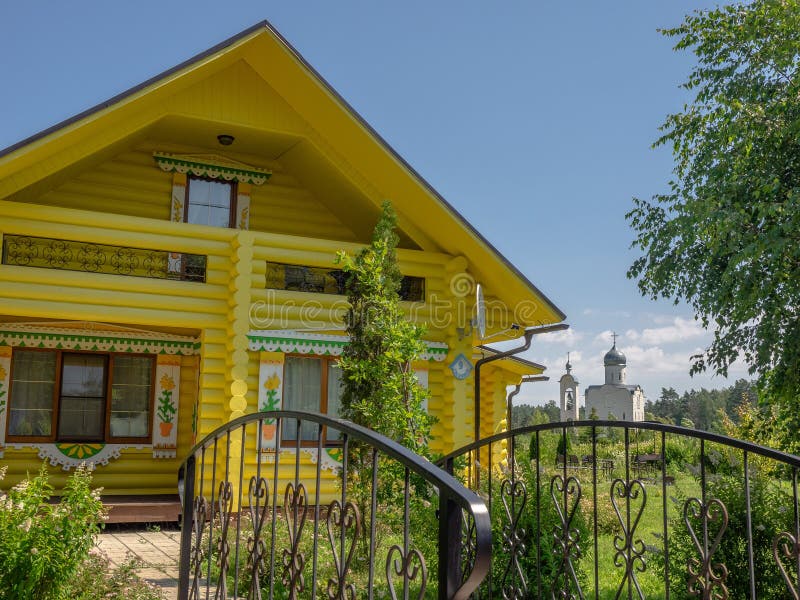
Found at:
<point>702,409</point>
<point>699,409</point>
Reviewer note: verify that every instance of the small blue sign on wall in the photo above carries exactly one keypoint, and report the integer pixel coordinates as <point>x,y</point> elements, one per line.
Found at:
<point>461,367</point>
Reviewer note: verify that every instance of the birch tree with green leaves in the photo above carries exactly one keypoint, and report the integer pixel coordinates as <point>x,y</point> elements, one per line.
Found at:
<point>726,238</point>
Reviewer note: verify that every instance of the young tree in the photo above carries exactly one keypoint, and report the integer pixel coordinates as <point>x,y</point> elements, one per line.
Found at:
<point>381,390</point>
<point>726,238</point>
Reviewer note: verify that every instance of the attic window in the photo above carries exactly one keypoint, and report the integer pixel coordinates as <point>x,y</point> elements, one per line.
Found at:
<point>210,202</point>
<point>220,194</point>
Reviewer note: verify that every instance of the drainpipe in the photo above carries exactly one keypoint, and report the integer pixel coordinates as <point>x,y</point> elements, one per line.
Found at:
<point>528,335</point>
<point>515,391</point>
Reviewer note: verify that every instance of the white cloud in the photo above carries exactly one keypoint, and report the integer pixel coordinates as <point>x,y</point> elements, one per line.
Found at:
<point>679,330</point>
<point>653,359</point>
<point>566,337</point>
<point>604,336</point>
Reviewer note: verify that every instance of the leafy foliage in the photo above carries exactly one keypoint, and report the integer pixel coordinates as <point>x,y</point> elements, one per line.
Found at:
<point>525,414</point>
<point>96,579</point>
<point>726,238</point>
<point>705,409</point>
<point>42,545</point>
<point>564,446</point>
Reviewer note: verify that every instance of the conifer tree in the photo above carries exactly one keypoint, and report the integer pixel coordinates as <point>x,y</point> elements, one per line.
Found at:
<point>381,390</point>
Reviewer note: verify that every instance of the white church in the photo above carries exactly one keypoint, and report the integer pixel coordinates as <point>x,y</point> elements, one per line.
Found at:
<point>614,399</point>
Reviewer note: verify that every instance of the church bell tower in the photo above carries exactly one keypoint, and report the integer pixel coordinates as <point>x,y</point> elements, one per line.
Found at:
<point>569,395</point>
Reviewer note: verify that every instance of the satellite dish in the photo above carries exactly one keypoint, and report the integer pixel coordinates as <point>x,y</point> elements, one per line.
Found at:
<point>480,311</point>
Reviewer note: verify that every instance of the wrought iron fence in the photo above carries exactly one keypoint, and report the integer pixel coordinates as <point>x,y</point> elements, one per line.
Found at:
<point>69,255</point>
<point>262,518</point>
<point>610,509</point>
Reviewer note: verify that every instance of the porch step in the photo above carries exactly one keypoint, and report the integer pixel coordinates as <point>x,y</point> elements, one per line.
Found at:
<point>142,509</point>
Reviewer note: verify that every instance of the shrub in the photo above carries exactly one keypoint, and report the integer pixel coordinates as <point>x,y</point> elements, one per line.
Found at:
<point>96,580</point>
<point>771,513</point>
<point>677,454</point>
<point>564,446</point>
<point>42,545</point>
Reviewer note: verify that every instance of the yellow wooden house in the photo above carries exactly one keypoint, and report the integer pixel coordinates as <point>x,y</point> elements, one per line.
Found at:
<point>168,266</point>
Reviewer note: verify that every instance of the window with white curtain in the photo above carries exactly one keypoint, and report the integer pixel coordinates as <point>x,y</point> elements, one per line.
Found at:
<point>311,383</point>
<point>63,396</point>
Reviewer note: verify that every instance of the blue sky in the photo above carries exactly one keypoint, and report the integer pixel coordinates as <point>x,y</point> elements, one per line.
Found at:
<point>546,109</point>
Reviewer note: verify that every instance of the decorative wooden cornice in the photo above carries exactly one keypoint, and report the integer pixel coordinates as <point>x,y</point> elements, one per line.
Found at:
<point>319,344</point>
<point>211,165</point>
<point>88,336</point>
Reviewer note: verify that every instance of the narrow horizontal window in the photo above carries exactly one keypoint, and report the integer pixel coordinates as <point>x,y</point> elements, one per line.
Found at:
<point>321,280</point>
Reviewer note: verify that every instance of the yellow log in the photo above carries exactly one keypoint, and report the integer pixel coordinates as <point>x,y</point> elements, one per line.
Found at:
<point>168,303</point>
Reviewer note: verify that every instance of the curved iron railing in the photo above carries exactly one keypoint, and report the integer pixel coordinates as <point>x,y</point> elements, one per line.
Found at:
<point>262,520</point>
<point>613,509</point>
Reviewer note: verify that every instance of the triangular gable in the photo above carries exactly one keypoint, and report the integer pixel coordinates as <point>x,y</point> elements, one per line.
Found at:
<point>337,134</point>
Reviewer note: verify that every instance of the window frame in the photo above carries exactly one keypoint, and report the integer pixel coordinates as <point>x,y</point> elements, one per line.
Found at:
<point>54,438</point>
<point>234,195</point>
<point>327,361</point>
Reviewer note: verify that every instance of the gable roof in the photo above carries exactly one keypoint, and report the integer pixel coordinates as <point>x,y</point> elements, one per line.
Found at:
<point>274,58</point>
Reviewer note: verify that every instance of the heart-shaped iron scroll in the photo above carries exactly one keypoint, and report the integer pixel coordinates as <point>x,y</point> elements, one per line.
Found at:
<point>225,504</point>
<point>785,545</point>
<point>199,508</point>
<point>295,500</point>
<point>258,494</point>
<point>514,496</point>
<point>566,496</point>
<point>706,579</point>
<point>344,520</point>
<point>468,544</point>
<point>409,567</point>
<point>629,553</point>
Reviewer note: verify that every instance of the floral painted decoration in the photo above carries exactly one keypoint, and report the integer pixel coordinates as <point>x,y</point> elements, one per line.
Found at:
<point>166,405</point>
<point>80,451</point>
<point>272,402</point>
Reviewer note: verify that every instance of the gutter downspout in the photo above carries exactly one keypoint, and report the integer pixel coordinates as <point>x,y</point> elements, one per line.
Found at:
<point>528,334</point>
<point>515,391</point>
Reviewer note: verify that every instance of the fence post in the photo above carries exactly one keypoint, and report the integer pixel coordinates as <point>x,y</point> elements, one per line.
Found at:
<point>449,543</point>
<point>449,548</point>
<point>186,486</point>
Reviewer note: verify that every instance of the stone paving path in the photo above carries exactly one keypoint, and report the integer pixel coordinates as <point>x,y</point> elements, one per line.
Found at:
<point>158,550</point>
